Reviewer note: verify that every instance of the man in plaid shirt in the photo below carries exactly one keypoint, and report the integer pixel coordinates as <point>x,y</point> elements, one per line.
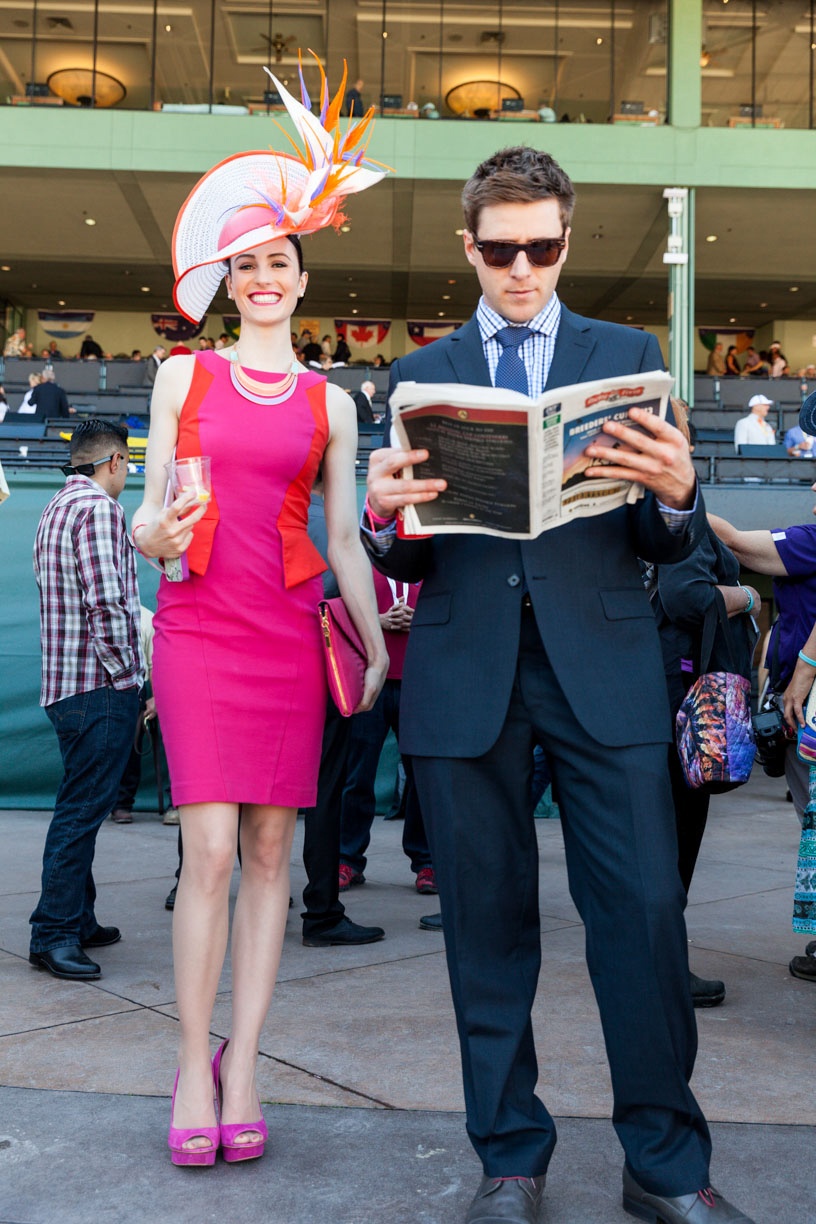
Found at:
<point>92,671</point>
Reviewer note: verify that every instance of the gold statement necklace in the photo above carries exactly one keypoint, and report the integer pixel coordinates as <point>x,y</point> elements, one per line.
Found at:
<point>256,389</point>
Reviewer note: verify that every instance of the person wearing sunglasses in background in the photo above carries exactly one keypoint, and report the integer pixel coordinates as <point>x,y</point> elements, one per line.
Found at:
<point>92,671</point>
<point>551,641</point>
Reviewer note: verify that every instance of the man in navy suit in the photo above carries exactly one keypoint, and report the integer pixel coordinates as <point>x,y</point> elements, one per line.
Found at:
<point>551,641</point>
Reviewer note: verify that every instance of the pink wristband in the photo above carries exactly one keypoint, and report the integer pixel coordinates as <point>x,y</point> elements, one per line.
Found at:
<point>375,518</point>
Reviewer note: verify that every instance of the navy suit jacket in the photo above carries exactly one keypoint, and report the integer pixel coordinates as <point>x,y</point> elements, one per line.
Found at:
<point>584,580</point>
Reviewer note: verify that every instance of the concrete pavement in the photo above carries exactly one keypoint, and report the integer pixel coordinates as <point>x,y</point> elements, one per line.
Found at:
<point>359,1070</point>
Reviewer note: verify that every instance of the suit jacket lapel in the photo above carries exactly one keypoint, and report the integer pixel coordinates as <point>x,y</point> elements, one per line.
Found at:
<point>572,350</point>
<point>466,355</point>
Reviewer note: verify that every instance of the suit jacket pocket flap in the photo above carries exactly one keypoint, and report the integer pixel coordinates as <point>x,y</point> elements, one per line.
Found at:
<point>625,603</point>
<point>432,610</point>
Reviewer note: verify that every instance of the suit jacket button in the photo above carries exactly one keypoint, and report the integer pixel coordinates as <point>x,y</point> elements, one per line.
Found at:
<point>513,580</point>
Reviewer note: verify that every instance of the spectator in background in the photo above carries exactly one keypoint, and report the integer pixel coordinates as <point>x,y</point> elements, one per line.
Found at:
<point>354,99</point>
<point>364,399</point>
<point>732,366</point>
<point>808,371</point>
<point>395,604</point>
<point>223,341</point>
<point>799,445</point>
<point>754,366</point>
<point>342,352</point>
<point>90,350</point>
<point>379,362</point>
<point>203,344</point>
<point>54,352</point>
<point>45,354</point>
<point>153,362</point>
<point>309,348</point>
<point>136,355</point>
<point>92,670</point>
<point>754,430</point>
<point>326,346</point>
<point>49,399</point>
<point>778,362</point>
<point>15,345</point>
<point>716,362</point>
<point>26,407</point>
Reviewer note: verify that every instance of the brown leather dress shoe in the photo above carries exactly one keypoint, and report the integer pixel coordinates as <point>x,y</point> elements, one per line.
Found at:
<point>705,1207</point>
<point>507,1200</point>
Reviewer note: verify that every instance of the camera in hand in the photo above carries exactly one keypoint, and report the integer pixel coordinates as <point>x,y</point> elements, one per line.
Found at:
<point>772,735</point>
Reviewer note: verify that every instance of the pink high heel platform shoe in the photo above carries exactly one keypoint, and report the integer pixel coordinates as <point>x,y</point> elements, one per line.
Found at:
<point>178,1136</point>
<point>230,1150</point>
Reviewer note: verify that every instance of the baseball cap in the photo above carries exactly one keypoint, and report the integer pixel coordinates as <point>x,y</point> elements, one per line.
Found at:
<point>759,399</point>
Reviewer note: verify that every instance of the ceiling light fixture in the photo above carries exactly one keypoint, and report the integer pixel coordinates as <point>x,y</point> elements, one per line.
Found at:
<point>5,268</point>
<point>598,42</point>
<point>145,288</point>
<point>345,229</point>
<point>61,302</point>
<point>793,289</point>
<point>445,297</point>
<point>711,237</point>
<point>354,311</point>
<point>440,314</point>
<point>763,305</point>
<point>90,221</point>
<point>168,28</point>
<point>732,320</point>
<point>84,87</point>
<point>459,233</point>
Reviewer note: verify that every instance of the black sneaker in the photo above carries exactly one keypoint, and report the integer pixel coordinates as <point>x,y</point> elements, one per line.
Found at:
<point>344,934</point>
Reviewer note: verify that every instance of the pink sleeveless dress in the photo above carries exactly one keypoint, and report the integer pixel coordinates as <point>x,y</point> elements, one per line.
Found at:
<point>238,672</point>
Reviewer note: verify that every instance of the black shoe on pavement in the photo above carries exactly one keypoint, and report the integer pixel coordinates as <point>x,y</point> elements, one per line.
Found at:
<point>69,963</point>
<point>170,899</point>
<point>345,934</point>
<point>102,937</point>
<point>431,922</point>
<point>507,1200</point>
<point>704,1207</point>
<point>706,992</point>
<point>804,967</point>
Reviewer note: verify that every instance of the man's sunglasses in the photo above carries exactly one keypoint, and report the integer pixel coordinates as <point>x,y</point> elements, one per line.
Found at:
<point>541,252</point>
<point>87,469</point>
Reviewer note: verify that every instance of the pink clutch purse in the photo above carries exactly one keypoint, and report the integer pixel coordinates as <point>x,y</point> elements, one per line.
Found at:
<point>346,658</point>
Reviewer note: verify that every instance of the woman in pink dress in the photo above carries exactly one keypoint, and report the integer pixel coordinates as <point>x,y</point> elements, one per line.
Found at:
<point>238,670</point>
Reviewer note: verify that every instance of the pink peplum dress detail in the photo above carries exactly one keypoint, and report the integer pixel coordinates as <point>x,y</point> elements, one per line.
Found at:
<point>238,671</point>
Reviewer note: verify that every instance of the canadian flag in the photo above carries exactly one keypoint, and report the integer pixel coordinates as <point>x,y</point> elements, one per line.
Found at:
<point>363,333</point>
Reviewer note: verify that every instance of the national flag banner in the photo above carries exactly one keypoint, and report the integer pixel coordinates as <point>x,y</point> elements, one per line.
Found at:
<point>423,333</point>
<point>65,324</point>
<point>232,325</point>
<point>175,328</point>
<point>742,337</point>
<point>362,333</point>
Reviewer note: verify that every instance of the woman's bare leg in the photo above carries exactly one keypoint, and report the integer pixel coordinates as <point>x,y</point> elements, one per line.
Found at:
<point>200,927</point>
<point>257,939</point>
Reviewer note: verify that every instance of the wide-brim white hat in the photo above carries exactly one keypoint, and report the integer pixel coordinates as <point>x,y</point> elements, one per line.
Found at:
<point>250,198</point>
<point>234,184</point>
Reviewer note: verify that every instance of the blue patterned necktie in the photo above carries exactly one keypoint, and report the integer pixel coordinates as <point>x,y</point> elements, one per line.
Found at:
<point>511,372</point>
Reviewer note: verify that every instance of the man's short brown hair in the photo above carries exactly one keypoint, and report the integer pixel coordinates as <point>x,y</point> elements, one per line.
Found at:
<point>520,175</point>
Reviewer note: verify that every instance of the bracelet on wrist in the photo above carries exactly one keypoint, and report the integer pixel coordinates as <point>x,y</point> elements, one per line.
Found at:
<point>806,659</point>
<point>376,518</point>
<point>749,607</point>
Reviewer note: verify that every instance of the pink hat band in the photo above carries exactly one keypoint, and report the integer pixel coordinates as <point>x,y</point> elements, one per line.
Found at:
<point>245,220</point>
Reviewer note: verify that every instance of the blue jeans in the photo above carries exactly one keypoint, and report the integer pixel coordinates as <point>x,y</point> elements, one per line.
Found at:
<point>368,734</point>
<point>95,731</point>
